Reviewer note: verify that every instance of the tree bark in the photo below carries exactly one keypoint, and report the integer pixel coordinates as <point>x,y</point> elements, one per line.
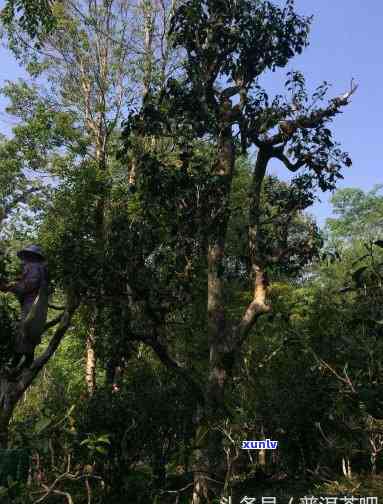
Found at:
<point>224,337</point>
<point>90,359</point>
<point>209,456</point>
<point>8,402</point>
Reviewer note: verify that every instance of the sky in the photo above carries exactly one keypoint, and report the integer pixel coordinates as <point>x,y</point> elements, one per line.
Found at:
<point>346,42</point>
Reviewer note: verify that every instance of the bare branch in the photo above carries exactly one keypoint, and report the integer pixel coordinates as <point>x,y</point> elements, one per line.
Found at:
<point>65,476</point>
<point>344,379</point>
<point>51,488</point>
<point>271,355</point>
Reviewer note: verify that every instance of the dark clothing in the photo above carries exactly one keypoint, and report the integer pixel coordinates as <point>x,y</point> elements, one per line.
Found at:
<point>26,290</point>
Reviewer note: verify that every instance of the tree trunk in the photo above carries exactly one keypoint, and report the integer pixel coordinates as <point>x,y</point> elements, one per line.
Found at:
<point>210,460</point>
<point>90,361</point>
<point>90,342</point>
<point>149,25</point>
<point>200,489</point>
<point>225,338</point>
<point>8,400</point>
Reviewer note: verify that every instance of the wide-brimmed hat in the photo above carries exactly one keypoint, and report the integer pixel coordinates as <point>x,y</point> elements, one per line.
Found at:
<point>31,249</point>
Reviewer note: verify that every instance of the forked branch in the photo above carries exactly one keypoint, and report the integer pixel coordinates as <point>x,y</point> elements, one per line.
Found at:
<point>289,127</point>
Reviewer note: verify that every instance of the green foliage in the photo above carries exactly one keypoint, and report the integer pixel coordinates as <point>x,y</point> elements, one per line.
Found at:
<point>70,231</point>
<point>132,246</point>
<point>97,445</point>
<point>359,214</point>
<point>225,43</point>
<point>245,38</point>
<point>32,16</point>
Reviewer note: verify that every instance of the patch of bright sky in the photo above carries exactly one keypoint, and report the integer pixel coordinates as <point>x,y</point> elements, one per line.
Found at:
<point>346,42</point>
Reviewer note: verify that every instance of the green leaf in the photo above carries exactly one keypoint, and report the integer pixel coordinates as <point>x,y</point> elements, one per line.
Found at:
<point>104,439</point>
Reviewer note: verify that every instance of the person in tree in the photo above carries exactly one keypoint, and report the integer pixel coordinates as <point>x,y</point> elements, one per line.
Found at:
<point>26,289</point>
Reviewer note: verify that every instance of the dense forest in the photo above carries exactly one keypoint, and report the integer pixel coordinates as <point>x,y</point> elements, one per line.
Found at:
<point>187,301</point>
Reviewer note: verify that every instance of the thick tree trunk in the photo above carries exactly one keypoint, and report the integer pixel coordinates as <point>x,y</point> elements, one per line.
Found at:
<point>209,466</point>
<point>224,338</point>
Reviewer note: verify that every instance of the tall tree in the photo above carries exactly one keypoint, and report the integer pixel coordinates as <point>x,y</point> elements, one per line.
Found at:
<point>227,47</point>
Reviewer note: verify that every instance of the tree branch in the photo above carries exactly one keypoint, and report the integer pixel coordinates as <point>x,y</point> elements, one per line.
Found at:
<point>229,92</point>
<point>162,352</point>
<point>313,120</point>
<point>52,323</point>
<point>28,375</point>
<point>258,305</point>
<point>293,167</point>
